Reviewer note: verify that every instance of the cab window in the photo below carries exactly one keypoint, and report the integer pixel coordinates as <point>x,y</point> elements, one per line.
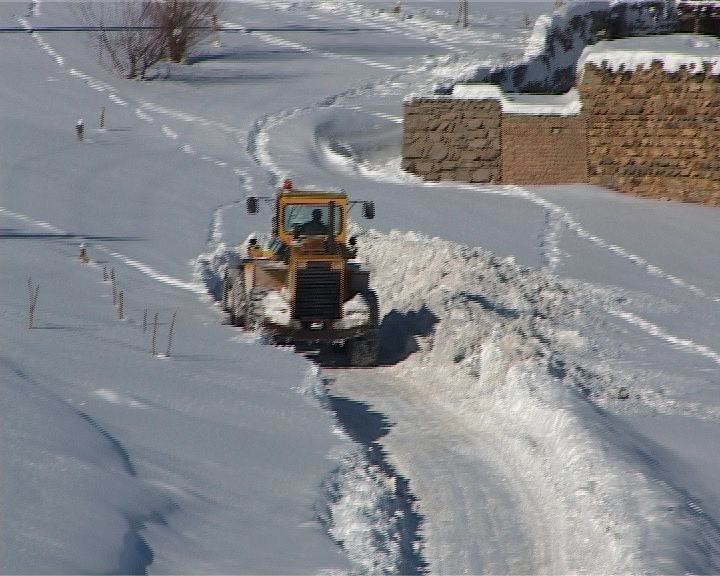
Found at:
<point>309,219</point>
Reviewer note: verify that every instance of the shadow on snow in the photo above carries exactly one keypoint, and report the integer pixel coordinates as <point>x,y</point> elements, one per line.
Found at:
<point>366,427</point>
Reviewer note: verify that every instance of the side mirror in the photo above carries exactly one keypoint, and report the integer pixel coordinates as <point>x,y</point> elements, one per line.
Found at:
<point>251,203</point>
<point>369,209</point>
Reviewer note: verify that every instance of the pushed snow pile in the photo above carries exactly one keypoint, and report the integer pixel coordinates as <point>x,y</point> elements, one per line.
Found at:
<point>210,267</point>
<point>557,42</point>
<point>693,52</point>
<point>510,354</point>
<point>361,515</point>
<point>363,510</point>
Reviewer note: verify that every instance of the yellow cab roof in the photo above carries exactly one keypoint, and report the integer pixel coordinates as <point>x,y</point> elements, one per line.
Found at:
<point>312,194</point>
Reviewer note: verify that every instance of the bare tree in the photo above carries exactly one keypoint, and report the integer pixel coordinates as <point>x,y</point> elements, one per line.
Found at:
<point>123,35</point>
<point>132,35</point>
<point>183,23</point>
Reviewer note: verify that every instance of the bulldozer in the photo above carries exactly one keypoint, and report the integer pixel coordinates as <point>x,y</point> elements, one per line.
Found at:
<point>305,286</point>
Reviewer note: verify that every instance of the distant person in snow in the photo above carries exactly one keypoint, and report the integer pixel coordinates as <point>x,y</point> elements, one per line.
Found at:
<point>80,129</point>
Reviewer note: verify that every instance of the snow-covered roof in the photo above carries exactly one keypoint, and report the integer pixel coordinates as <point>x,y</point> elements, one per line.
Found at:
<point>561,105</point>
<point>674,51</point>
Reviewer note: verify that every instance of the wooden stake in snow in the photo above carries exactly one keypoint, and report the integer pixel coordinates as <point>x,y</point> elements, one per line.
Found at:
<point>114,286</point>
<point>144,320</point>
<point>105,274</point>
<point>170,332</point>
<point>121,306</point>
<point>102,117</point>
<point>462,18</point>
<point>33,297</point>
<point>84,258</point>
<point>154,336</point>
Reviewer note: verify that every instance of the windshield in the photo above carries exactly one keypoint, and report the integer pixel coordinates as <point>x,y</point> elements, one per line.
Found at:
<point>309,219</point>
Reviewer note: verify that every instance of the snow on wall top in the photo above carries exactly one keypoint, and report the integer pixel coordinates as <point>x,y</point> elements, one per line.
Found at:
<point>561,105</point>
<point>674,51</point>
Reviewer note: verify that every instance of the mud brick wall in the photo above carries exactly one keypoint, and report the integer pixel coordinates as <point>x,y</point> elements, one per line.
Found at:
<point>452,139</point>
<point>543,149</point>
<point>654,133</point>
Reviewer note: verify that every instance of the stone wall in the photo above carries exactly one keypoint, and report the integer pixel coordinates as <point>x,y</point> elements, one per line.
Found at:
<point>647,132</point>
<point>654,133</point>
<point>543,149</point>
<point>453,139</point>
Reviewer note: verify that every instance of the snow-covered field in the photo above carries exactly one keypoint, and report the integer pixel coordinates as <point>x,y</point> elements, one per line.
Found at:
<point>547,400</point>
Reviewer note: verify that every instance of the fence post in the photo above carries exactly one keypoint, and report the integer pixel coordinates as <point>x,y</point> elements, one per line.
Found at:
<point>105,274</point>
<point>154,336</point>
<point>33,295</point>
<point>144,320</point>
<point>170,332</point>
<point>121,306</point>
<point>114,286</point>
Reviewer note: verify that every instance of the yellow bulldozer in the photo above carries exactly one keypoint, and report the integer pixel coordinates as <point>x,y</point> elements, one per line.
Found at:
<point>305,285</point>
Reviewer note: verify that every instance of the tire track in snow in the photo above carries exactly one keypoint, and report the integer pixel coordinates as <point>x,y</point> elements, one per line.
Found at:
<point>151,272</point>
<point>277,41</point>
<point>559,214</point>
<point>100,86</point>
<point>429,32</point>
<point>550,242</point>
<point>684,344</point>
<point>215,234</point>
<point>146,269</point>
<point>259,139</point>
<point>238,134</point>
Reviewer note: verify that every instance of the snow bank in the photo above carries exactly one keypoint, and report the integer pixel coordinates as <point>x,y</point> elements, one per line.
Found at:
<point>57,461</point>
<point>510,353</point>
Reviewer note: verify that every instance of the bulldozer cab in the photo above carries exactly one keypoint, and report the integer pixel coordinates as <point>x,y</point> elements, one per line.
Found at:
<point>304,214</point>
<point>305,285</point>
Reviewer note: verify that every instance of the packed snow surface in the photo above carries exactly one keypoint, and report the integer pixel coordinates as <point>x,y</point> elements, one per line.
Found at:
<point>547,396</point>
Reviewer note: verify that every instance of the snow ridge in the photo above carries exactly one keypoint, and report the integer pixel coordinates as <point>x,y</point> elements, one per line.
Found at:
<point>141,266</point>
